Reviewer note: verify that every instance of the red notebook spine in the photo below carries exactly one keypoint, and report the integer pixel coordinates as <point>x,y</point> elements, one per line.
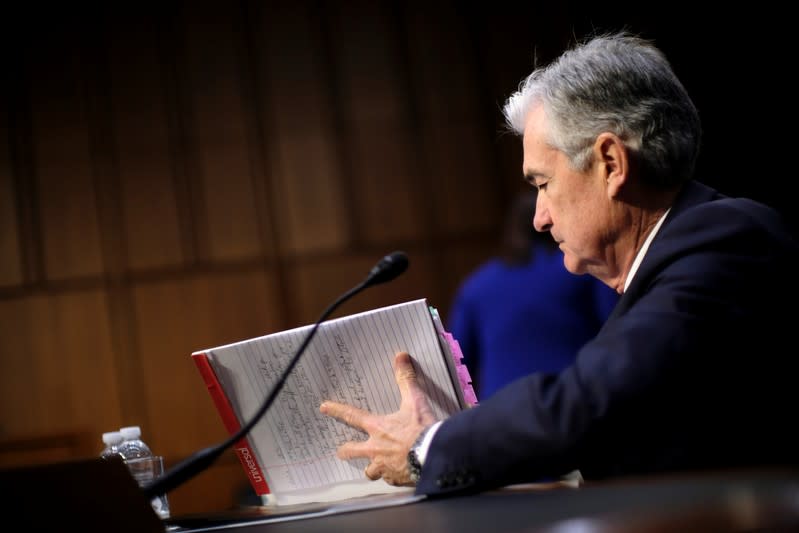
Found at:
<point>242,447</point>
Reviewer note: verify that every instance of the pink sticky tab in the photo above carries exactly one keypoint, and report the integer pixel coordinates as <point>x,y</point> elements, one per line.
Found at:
<point>469,395</point>
<point>464,377</point>
<point>455,348</point>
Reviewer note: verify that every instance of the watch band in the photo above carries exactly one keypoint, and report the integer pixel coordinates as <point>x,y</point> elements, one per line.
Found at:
<point>414,465</point>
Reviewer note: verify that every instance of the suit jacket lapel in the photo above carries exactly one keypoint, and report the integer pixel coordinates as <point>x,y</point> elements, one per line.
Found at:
<point>692,194</point>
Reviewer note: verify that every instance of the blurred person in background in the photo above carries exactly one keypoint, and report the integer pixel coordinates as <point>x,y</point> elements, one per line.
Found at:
<point>521,311</point>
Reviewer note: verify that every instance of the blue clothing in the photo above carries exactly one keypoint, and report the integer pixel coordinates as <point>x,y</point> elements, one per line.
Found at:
<point>693,369</point>
<point>513,320</point>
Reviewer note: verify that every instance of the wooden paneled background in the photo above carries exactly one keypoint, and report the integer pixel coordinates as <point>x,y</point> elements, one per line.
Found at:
<point>183,175</point>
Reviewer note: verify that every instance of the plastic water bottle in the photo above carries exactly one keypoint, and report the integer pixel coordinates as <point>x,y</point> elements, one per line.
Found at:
<point>132,446</point>
<point>112,440</point>
<point>143,465</point>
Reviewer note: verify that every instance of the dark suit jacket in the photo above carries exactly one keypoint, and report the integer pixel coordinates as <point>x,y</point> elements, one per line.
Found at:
<point>691,370</point>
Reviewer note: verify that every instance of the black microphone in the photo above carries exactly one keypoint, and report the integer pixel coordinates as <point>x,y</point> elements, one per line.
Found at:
<point>388,268</point>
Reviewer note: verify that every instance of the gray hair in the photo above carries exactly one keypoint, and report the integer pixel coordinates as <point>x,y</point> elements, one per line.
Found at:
<point>615,83</point>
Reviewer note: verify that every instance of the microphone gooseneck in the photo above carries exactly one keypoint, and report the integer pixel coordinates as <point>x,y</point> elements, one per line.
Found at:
<point>388,268</point>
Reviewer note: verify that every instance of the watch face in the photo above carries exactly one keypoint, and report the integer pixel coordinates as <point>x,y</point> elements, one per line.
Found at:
<point>414,468</point>
<point>414,465</point>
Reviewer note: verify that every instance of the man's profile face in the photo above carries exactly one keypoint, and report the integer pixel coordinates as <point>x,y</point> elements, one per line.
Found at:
<point>571,205</point>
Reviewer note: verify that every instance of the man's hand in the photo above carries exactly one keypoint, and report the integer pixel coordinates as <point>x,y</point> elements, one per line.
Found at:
<point>390,436</point>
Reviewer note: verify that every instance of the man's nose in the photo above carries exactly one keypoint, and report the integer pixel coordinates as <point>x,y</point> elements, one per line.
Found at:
<point>541,221</point>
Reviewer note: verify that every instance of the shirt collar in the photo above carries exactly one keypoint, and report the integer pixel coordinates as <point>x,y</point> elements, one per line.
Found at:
<point>639,257</point>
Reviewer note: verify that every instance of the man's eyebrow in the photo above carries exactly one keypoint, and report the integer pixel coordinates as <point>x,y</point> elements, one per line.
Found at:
<point>531,175</point>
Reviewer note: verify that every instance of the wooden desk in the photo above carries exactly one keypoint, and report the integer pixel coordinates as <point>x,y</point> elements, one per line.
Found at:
<point>720,501</point>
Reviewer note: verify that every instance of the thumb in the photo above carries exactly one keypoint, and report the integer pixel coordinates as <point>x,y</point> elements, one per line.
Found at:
<point>414,401</point>
<point>404,373</point>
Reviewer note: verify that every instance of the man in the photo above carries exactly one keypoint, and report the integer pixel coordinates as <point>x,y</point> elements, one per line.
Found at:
<point>691,370</point>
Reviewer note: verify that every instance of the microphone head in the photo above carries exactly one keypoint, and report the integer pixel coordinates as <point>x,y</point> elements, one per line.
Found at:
<point>388,268</point>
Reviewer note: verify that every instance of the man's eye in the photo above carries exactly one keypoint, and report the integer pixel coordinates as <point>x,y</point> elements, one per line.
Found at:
<point>542,186</point>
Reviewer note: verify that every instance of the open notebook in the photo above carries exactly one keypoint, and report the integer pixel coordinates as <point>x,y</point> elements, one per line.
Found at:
<point>290,455</point>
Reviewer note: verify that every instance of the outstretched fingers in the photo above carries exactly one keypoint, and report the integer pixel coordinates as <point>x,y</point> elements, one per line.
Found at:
<point>389,435</point>
<point>355,450</point>
<point>352,416</point>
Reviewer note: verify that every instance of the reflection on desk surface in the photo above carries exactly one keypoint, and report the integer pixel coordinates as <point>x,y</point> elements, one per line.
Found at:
<point>283,513</point>
<point>744,500</point>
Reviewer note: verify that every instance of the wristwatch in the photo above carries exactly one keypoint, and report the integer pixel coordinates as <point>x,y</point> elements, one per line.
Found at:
<point>414,465</point>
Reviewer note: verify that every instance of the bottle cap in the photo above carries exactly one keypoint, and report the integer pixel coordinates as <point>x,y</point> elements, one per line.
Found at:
<point>130,432</point>
<point>112,437</point>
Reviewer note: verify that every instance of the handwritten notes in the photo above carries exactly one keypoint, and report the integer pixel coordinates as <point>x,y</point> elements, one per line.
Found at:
<point>350,361</point>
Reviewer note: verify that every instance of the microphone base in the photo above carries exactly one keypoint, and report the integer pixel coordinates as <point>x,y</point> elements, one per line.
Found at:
<point>102,496</point>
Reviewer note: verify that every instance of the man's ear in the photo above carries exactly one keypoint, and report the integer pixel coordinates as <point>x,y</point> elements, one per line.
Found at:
<point>614,162</point>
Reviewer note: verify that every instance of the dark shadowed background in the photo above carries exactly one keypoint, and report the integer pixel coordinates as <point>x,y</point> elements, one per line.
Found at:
<point>175,176</point>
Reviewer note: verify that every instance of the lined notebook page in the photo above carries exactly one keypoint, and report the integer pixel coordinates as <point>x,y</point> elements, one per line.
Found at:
<point>349,361</point>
